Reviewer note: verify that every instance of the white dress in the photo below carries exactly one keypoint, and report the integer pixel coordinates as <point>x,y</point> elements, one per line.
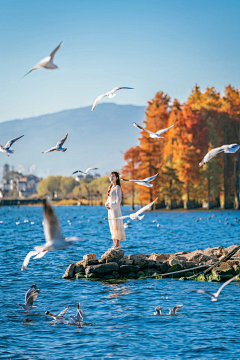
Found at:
<point>113,201</point>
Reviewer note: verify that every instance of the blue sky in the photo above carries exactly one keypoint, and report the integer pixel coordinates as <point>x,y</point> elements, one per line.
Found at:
<point>149,45</point>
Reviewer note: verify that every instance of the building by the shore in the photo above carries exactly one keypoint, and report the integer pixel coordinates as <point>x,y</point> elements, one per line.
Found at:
<point>15,184</point>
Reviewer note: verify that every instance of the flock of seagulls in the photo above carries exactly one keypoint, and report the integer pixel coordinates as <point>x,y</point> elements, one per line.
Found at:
<point>52,231</point>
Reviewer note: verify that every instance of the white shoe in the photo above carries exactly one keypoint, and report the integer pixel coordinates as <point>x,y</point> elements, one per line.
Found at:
<point>116,248</point>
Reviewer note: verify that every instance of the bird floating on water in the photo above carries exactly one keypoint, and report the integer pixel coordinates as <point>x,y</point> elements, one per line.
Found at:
<point>153,135</point>
<point>53,236</point>
<point>47,62</point>
<point>79,316</point>
<point>86,172</point>
<point>59,317</point>
<point>30,297</point>
<point>109,94</point>
<point>144,182</point>
<point>58,147</point>
<point>227,149</point>
<point>136,215</point>
<point>6,149</point>
<point>158,310</point>
<point>173,311</point>
<point>215,296</point>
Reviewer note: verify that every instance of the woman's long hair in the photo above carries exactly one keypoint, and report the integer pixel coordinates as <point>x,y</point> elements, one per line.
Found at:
<point>117,182</point>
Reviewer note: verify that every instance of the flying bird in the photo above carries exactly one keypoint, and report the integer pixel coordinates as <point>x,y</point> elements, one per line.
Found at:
<point>153,135</point>
<point>86,172</point>
<point>109,94</point>
<point>58,147</point>
<point>6,149</point>
<point>144,182</point>
<point>173,311</point>
<point>53,237</point>
<point>215,296</point>
<point>158,310</point>
<point>136,215</point>
<point>227,149</point>
<point>30,297</point>
<point>79,316</point>
<point>59,317</point>
<point>47,62</point>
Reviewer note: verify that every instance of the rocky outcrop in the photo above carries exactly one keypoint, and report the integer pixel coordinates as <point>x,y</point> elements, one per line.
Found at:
<point>114,266</point>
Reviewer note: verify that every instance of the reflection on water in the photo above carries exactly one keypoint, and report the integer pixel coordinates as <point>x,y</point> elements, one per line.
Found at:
<point>118,318</point>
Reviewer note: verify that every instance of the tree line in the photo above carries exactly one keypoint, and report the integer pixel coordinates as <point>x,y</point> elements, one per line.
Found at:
<point>205,121</point>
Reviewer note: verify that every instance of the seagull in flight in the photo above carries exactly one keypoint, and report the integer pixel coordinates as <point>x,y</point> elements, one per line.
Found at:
<point>173,311</point>
<point>109,94</point>
<point>153,135</point>
<point>58,147</point>
<point>47,62</point>
<point>227,149</point>
<point>59,317</point>
<point>79,316</point>
<point>144,182</point>
<point>6,149</point>
<point>136,215</point>
<point>30,297</point>
<point>53,236</point>
<point>158,310</point>
<point>86,172</point>
<point>215,296</point>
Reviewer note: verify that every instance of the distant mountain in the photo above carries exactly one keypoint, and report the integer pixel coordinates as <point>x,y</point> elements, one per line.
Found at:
<point>95,139</point>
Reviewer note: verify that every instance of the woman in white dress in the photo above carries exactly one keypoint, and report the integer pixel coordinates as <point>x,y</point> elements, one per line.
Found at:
<point>113,206</point>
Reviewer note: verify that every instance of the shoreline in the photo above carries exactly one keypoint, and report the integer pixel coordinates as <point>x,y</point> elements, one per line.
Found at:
<point>114,267</point>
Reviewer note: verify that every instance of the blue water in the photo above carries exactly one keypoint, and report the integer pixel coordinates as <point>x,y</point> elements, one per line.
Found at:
<point>119,318</point>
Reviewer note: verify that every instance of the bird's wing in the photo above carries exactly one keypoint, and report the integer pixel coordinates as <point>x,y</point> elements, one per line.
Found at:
<point>175,308</point>
<point>159,132</point>
<point>231,149</point>
<point>97,100</point>
<point>201,291</point>
<point>10,142</point>
<point>226,283</point>
<point>88,169</point>
<point>55,50</point>
<point>73,238</point>
<point>63,313</point>
<point>141,128</point>
<point>124,179</point>
<point>57,318</point>
<point>211,154</point>
<point>32,289</point>
<point>62,141</point>
<point>119,218</point>
<point>2,147</point>
<point>75,172</point>
<point>151,178</point>
<point>147,207</point>
<point>27,258</point>
<point>27,73</point>
<point>41,254</point>
<point>120,88</point>
<point>49,150</point>
<point>32,297</point>
<point>51,225</point>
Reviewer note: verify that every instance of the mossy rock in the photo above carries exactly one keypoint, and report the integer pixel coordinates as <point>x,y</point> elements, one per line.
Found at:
<point>109,277</point>
<point>79,275</point>
<point>115,274</point>
<point>149,272</point>
<point>115,281</point>
<point>131,275</point>
<point>89,276</point>
<point>140,273</point>
<point>175,267</point>
<point>188,274</point>
<point>201,277</point>
<point>214,277</point>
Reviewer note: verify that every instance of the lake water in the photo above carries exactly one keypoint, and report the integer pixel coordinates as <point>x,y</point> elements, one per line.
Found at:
<point>119,318</point>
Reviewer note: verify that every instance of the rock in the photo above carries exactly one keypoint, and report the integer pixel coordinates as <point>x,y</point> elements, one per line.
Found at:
<point>137,257</point>
<point>158,257</point>
<point>140,263</point>
<point>140,273</point>
<point>112,256</point>
<point>109,277</point>
<point>69,273</point>
<point>181,253</point>
<point>89,257</point>
<point>149,272</point>
<point>102,269</point>
<point>175,267</point>
<point>174,262</point>
<point>79,267</point>
<point>164,267</point>
<point>131,275</point>
<point>126,269</point>
<point>224,269</point>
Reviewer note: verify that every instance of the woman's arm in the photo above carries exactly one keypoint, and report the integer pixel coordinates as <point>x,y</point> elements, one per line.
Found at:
<point>118,200</point>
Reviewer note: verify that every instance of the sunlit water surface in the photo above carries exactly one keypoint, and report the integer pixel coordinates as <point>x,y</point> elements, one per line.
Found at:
<point>119,318</point>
